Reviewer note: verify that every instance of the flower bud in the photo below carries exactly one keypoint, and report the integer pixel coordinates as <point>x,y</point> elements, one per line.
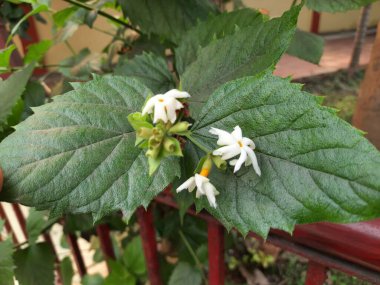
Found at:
<point>169,145</point>
<point>219,162</point>
<point>179,128</point>
<point>172,147</point>
<point>144,133</point>
<point>206,167</point>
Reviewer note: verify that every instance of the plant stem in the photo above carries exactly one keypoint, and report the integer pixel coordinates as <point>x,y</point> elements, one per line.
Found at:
<point>70,47</point>
<point>102,13</point>
<point>198,144</point>
<point>194,256</point>
<point>294,3</point>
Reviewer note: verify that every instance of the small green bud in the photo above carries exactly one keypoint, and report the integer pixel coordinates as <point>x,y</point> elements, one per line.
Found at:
<point>154,142</point>
<point>219,162</point>
<point>169,145</point>
<point>180,127</point>
<point>172,147</point>
<point>144,133</point>
<point>153,152</point>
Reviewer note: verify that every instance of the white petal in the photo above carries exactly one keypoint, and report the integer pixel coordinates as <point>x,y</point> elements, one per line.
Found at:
<point>225,138</point>
<point>210,194</point>
<point>148,108</point>
<point>228,152</point>
<point>177,94</point>
<point>200,181</point>
<point>237,134</point>
<point>160,113</point>
<point>253,159</point>
<point>249,143</point>
<point>178,105</point>
<point>233,162</point>
<point>188,184</point>
<point>171,110</point>
<point>241,160</point>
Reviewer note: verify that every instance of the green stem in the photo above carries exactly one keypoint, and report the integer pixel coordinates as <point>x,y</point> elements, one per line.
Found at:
<point>198,144</point>
<point>294,3</point>
<point>194,256</point>
<point>102,13</point>
<point>70,48</point>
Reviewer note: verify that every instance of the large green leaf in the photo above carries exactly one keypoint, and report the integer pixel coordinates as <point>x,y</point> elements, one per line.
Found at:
<point>185,274</point>
<point>5,57</point>
<point>333,6</point>
<point>150,69</point>
<point>78,154</point>
<point>11,90</point>
<point>37,51</point>
<point>35,265</point>
<point>6,260</point>
<point>35,223</point>
<point>67,271</point>
<point>166,18</point>
<point>214,28</point>
<point>133,257</point>
<point>247,52</point>
<point>306,46</point>
<point>315,166</point>
<point>119,275</point>
<point>34,95</point>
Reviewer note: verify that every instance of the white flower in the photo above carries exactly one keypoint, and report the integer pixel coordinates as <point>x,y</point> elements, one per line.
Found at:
<point>204,187</point>
<point>165,105</point>
<point>234,144</point>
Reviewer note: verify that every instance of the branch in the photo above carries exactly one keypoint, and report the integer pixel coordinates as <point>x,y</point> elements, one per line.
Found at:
<point>102,13</point>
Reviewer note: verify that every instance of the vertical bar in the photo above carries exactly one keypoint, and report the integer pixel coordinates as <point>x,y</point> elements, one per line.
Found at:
<point>316,274</point>
<point>104,236</point>
<point>20,218</point>
<point>7,225</point>
<point>78,259</point>
<point>215,253</point>
<point>148,236</point>
<point>315,20</point>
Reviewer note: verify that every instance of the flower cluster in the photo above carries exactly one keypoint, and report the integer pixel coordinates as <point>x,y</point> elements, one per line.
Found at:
<point>163,121</point>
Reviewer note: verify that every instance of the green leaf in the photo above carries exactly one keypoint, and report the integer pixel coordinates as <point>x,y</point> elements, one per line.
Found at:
<point>333,6</point>
<point>35,11</point>
<point>83,135</point>
<point>37,258</point>
<point>315,166</point>
<point>6,261</point>
<point>34,95</point>
<point>81,222</point>
<point>77,66</point>
<point>119,275</point>
<point>5,56</point>
<point>11,90</point>
<point>247,52</point>
<point>96,279</point>
<point>214,28</point>
<point>37,51</point>
<point>133,257</point>
<point>307,46</point>
<point>15,117</point>
<point>67,271</point>
<point>166,18</point>
<point>61,17</point>
<point>185,274</point>
<point>152,70</point>
<point>35,223</point>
